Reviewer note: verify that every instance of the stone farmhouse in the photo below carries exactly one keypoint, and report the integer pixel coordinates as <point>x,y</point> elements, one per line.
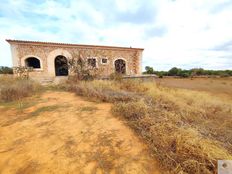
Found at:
<point>49,59</point>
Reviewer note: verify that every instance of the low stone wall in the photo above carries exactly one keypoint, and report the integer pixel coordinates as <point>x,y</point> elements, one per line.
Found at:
<point>6,75</point>
<point>140,77</point>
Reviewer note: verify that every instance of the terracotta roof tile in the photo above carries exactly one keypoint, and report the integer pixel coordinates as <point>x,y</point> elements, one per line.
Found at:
<point>70,44</point>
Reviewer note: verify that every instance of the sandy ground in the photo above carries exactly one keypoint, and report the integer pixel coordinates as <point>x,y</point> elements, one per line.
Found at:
<point>59,132</point>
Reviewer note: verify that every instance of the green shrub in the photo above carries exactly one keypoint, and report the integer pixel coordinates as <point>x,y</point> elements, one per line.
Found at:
<point>6,70</point>
<point>149,70</point>
<point>187,73</point>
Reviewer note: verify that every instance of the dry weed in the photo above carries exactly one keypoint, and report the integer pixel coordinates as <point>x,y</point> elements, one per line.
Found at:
<point>12,89</point>
<point>187,131</point>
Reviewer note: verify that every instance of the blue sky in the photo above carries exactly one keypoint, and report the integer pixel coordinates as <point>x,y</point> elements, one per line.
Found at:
<point>182,33</point>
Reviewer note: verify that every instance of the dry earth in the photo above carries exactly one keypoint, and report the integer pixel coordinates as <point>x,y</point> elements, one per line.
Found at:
<point>58,132</point>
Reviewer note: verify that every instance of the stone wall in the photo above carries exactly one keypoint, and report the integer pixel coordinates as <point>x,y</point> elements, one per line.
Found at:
<point>47,52</point>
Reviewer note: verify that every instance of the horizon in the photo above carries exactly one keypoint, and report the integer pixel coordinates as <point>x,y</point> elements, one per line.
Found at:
<point>173,33</point>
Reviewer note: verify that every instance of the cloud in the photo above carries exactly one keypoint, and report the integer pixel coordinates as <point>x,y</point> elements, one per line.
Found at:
<point>227,46</point>
<point>178,33</point>
<point>155,32</point>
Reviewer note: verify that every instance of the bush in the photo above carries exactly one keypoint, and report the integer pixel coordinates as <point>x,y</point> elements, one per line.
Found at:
<point>133,86</point>
<point>132,111</point>
<point>6,70</point>
<point>80,69</point>
<point>116,77</point>
<point>174,71</point>
<point>149,70</point>
<point>187,73</point>
<point>184,75</point>
<point>103,93</point>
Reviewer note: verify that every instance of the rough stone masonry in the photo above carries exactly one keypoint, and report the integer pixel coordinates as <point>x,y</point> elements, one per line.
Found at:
<point>48,59</point>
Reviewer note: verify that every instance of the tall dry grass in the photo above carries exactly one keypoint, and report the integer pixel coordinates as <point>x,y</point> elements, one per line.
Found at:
<point>14,89</point>
<point>106,91</point>
<point>186,131</point>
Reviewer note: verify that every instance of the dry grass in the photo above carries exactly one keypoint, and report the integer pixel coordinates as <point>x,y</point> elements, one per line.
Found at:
<point>215,86</point>
<point>14,89</point>
<point>188,131</point>
<point>102,90</point>
<point>63,133</point>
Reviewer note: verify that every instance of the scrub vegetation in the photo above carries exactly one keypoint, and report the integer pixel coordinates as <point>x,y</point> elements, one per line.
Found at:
<point>15,89</point>
<point>178,72</point>
<point>187,131</point>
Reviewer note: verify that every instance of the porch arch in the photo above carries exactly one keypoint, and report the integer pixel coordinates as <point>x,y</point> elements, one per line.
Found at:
<point>51,59</point>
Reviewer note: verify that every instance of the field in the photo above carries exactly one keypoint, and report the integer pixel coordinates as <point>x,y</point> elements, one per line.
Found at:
<point>216,86</point>
<point>115,126</point>
<point>58,132</point>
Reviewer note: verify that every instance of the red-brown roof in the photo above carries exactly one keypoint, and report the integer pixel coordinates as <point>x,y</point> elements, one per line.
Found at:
<point>70,44</point>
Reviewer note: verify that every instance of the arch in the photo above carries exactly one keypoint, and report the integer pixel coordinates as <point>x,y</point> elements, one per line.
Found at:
<point>120,66</point>
<point>32,61</point>
<point>61,65</point>
<point>51,59</point>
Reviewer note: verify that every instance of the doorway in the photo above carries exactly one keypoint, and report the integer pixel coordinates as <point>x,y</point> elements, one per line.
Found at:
<point>61,66</point>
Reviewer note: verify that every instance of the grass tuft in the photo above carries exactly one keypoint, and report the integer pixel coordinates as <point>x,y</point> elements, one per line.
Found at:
<point>44,109</point>
<point>88,108</point>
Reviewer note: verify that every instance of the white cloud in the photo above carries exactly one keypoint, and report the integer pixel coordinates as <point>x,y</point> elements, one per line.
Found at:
<point>174,33</point>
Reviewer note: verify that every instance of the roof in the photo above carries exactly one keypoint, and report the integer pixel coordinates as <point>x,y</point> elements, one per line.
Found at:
<point>69,44</point>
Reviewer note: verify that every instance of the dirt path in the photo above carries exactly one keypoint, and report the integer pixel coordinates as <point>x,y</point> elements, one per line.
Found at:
<point>59,132</point>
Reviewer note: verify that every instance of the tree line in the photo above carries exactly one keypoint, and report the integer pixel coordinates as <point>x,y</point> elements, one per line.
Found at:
<point>188,73</point>
<point>172,72</point>
<point>6,70</point>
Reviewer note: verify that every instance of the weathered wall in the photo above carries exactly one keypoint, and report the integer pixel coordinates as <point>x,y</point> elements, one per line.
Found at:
<point>47,54</point>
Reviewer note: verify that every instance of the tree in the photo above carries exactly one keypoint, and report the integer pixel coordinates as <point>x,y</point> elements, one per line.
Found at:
<point>184,73</point>
<point>6,70</point>
<point>174,71</point>
<point>82,69</point>
<point>149,70</point>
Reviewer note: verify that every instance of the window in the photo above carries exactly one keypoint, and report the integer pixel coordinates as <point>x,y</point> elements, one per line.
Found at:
<point>92,62</point>
<point>32,62</point>
<point>104,60</point>
<point>120,66</point>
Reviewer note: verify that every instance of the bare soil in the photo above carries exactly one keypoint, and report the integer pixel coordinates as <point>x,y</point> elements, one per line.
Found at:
<point>58,132</point>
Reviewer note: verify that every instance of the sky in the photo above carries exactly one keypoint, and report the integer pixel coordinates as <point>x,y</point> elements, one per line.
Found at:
<point>174,33</point>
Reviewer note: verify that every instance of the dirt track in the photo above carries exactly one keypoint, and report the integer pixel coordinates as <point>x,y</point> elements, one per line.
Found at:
<point>59,132</point>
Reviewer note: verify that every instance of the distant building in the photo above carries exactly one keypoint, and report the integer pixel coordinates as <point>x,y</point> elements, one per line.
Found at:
<point>49,59</point>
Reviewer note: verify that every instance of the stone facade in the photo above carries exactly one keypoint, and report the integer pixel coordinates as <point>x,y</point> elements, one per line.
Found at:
<point>46,53</point>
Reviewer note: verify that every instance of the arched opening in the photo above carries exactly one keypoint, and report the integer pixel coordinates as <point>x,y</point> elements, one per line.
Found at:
<point>61,66</point>
<point>32,62</point>
<point>120,66</point>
